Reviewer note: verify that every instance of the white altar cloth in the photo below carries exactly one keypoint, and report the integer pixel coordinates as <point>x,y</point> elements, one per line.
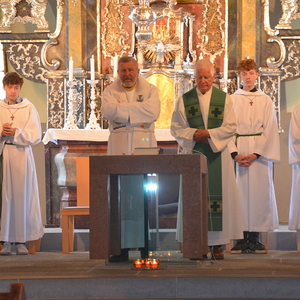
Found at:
<point>93,135</point>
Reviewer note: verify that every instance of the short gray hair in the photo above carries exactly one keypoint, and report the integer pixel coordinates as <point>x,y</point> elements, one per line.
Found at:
<point>126,59</point>
<point>204,64</point>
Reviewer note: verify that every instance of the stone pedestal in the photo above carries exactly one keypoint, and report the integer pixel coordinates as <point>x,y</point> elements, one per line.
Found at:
<point>193,170</point>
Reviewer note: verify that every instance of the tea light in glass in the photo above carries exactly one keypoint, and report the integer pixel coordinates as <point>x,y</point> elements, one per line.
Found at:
<point>154,263</point>
<point>138,263</point>
<point>148,263</point>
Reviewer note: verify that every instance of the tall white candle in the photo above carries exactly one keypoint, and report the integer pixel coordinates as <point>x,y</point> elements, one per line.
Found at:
<point>225,68</point>
<point>226,43</point>
<point>71,69</point>
<point>116,66</point>
<point>92,63</point>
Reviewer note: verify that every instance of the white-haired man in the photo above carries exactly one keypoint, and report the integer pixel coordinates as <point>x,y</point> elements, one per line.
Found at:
<point>204,122</point>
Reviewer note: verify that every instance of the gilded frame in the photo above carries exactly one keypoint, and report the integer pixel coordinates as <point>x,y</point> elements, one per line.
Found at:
<point>136,2</point>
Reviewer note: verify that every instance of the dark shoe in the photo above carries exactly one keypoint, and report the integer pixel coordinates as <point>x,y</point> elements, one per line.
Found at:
<point>257,248</point>
<point>217,253</point>
<point>203,258</point>
<point>239,248</point>
<point>119,258</point>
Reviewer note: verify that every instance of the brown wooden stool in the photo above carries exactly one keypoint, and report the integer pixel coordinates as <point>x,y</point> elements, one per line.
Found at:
<point>67,225</point>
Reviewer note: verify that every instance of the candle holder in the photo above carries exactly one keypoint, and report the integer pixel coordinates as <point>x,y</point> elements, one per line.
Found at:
<point>146,264</point>
<point>224,84</point>
<point>93,124</point>
<point>154,263</point>
<point>71,122</point>
<point>138,263</point>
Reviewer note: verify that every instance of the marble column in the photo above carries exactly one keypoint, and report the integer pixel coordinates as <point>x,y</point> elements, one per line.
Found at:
<point>74,34</point>
<point>248,29</point>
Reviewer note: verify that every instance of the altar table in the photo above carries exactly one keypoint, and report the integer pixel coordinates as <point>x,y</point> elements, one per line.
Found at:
<point>193,169</point>
<point>62,146</point>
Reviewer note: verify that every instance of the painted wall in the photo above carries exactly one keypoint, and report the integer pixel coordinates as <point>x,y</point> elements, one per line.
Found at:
<point>290,97</point>
<point>37,94</point>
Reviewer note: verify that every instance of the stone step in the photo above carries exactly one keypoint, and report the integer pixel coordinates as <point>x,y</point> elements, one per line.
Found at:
<point>163,288</point>
<point>280,240</point>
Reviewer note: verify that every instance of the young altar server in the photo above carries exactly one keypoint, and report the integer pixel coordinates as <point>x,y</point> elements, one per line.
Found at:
<point>131,105</point>
<point>255,148</point>
<point>294,160</point>
<point>20,129</point>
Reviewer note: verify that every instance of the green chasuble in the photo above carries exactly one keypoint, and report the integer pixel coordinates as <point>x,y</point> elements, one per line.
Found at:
<point>215,119</point>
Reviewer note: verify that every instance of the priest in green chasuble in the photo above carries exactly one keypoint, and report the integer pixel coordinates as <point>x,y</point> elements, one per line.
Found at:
<point>204,122</point>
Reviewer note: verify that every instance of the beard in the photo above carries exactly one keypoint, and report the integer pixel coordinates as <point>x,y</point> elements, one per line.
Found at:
<point>129,82</point>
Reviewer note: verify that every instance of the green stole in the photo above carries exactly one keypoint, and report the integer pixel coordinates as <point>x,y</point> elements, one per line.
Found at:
<point>215,119</point>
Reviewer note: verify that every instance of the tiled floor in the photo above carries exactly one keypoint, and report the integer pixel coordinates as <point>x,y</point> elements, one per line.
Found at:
<point>52,275</point>
<point>78,265</point>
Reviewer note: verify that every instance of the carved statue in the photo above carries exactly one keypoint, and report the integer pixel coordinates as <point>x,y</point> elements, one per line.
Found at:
<point>163,51</point>
<point>8,13</point>
<point>23,11</point>
<point>289,9</point>
<point>38,13</point>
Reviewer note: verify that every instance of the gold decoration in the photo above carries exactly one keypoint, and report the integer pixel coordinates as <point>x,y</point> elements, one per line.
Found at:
<point>290,63</point>
<point>24,11</point>
<point>25,58</point>
<point>163,46</point>
<point>211,34</point>
<point>166,92</point>
<point>267,25</point>
<point>113,36</point>
<point>269,82</point>
<point>143,16</point>
<point>55,102</point>
<point>178,1</point>
<point>289,12</point>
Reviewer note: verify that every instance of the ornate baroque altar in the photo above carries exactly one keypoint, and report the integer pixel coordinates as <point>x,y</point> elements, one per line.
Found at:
<point>167,37</point>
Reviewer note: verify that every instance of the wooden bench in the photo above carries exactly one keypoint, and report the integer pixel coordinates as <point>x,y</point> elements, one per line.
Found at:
<point>34,246</point>
<point>82,208</point>
<point>67,225</point>
<point>17,292</point>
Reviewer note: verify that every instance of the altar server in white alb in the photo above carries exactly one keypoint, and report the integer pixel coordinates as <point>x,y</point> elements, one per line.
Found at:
<point>131,105</point>
<point>20,129</point>
<point>255,148</point>
<point>294,160</point>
